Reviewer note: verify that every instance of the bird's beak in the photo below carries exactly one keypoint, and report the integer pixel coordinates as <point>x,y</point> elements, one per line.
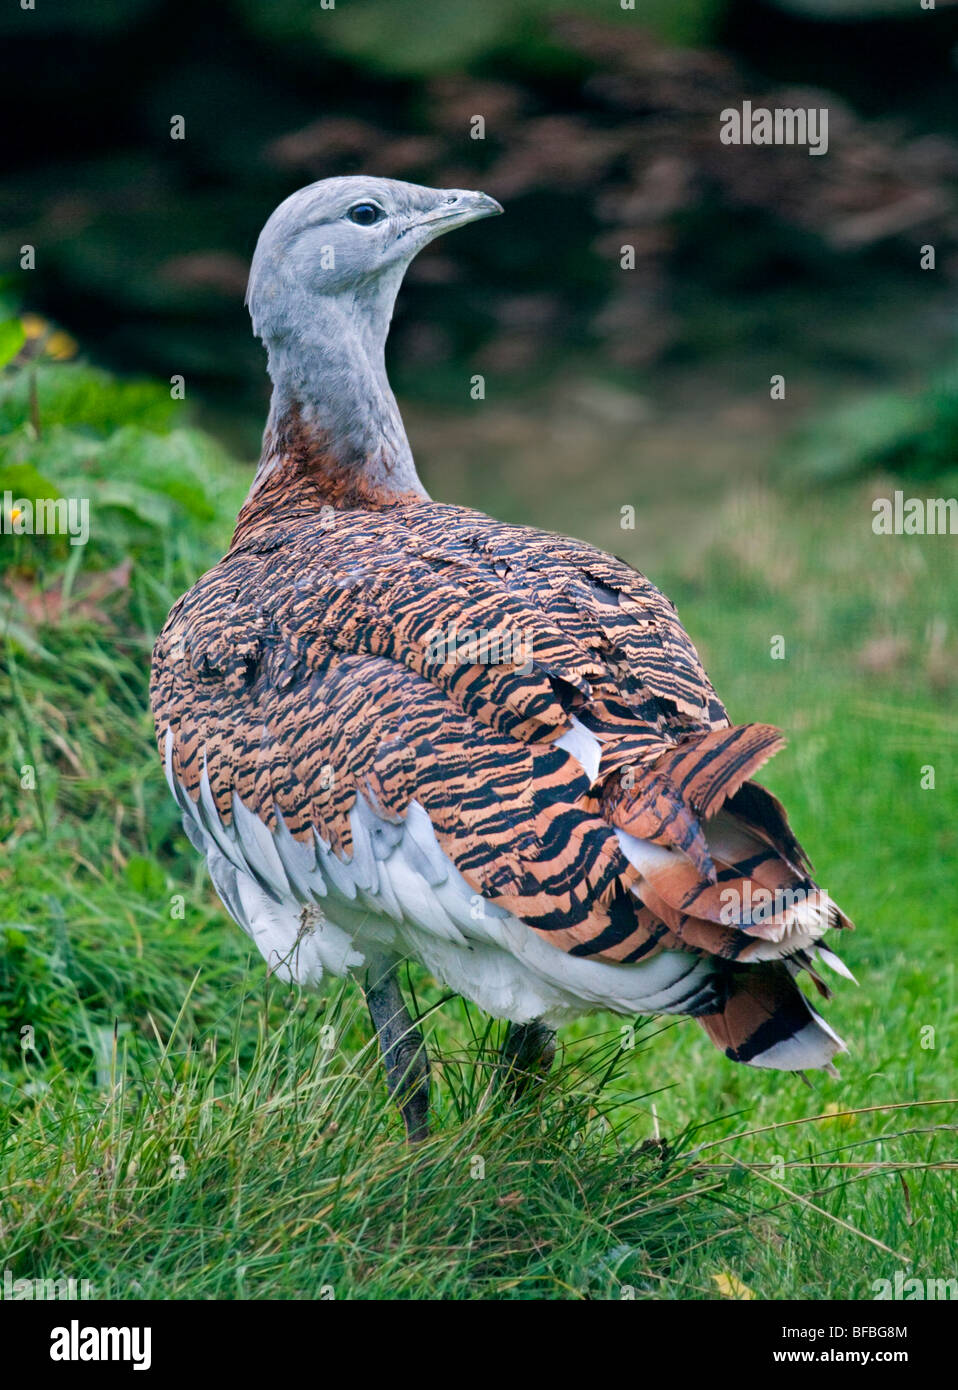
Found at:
<point>456,207</point>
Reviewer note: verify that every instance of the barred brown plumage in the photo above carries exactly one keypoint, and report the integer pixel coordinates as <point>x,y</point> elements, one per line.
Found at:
<point>562,827</point>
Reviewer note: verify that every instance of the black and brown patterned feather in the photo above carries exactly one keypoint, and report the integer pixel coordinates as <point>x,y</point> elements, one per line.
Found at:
<point>303,669</point>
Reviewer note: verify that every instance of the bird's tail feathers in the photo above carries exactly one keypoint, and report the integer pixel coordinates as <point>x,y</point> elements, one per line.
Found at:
<point>690,783</point>
<point>766,1021</point>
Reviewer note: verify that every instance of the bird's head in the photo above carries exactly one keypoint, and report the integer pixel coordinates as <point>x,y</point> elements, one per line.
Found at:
<point>343,245</point>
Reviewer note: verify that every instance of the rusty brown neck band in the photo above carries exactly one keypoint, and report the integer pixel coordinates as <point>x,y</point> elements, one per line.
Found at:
<point>332,404</point>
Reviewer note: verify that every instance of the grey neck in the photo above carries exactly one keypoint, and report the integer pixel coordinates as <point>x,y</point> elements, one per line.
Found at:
<point>331,393</point>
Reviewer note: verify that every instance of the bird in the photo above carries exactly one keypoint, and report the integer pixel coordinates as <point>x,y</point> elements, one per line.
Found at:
<point>401,730</point>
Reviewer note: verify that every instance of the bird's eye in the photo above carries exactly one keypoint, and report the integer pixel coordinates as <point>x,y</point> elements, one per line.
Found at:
<point>365,214</point>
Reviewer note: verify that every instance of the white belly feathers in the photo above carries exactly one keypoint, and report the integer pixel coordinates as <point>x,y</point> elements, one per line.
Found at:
<point>312,913</point>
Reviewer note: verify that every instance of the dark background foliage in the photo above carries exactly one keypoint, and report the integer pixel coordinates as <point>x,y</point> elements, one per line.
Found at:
<point>601,131</point>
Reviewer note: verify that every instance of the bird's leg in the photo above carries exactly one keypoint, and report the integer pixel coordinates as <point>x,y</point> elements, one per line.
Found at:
<point>527,1054</point>
<point>404,1053</point>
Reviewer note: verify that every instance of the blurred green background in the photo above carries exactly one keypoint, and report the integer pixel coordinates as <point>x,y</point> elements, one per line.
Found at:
<point>600,131</point>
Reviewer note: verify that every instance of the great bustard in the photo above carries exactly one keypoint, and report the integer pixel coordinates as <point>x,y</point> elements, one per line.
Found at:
<point>398,728</point>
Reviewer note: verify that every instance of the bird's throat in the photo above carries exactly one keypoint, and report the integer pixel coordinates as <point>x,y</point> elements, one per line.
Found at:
<point>334,424</point>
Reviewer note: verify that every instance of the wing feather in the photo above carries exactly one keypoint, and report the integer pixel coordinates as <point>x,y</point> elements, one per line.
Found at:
<point>537,700</point>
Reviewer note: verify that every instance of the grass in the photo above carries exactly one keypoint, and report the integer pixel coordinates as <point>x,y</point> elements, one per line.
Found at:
<point>175,1125</point>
